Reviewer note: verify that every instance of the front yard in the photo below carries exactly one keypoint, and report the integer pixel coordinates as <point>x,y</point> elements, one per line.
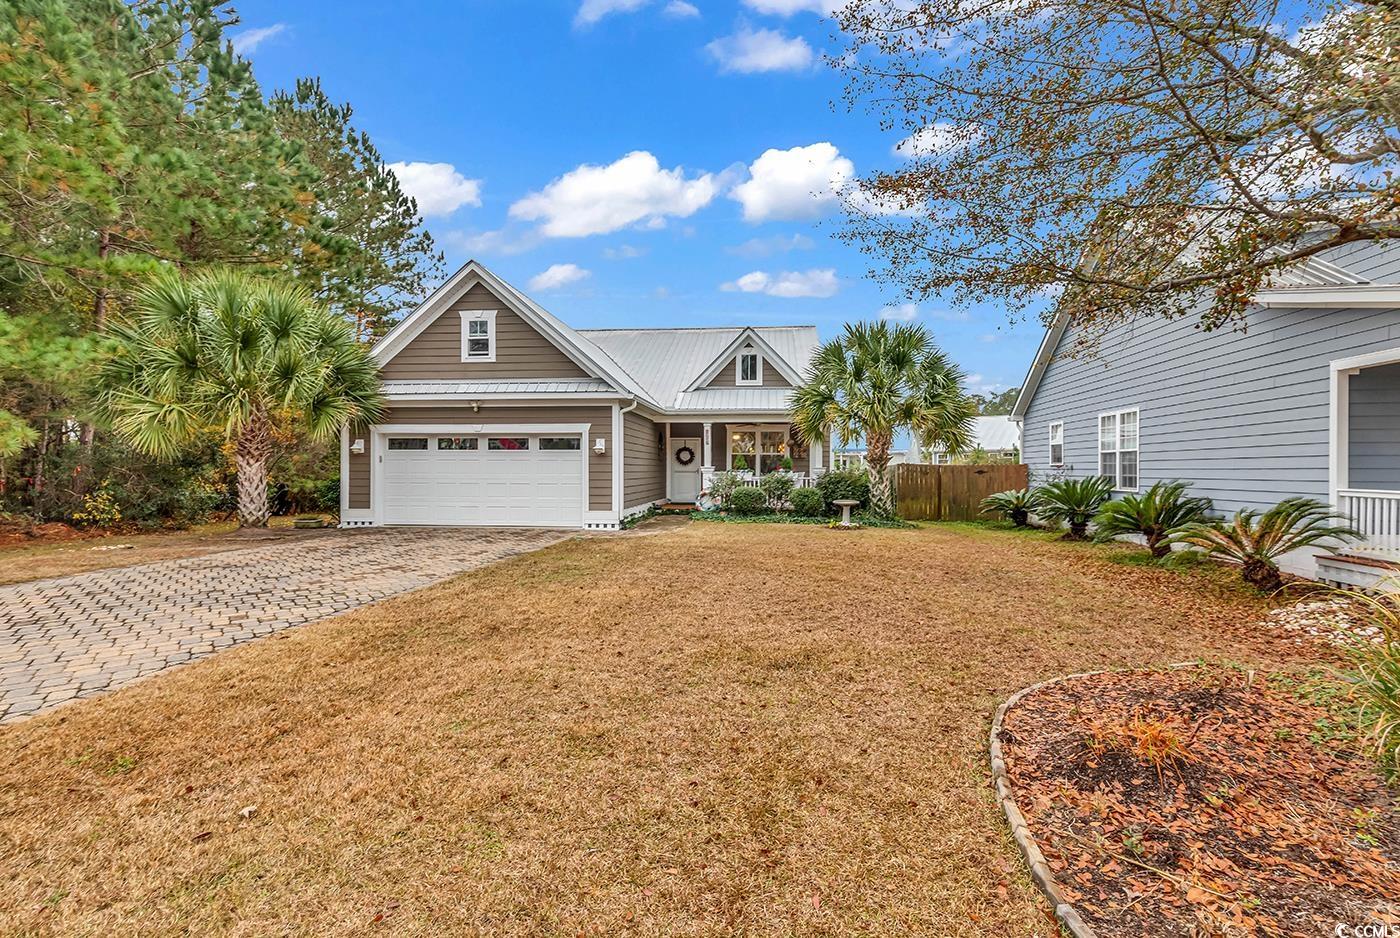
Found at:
<point>726,729</point>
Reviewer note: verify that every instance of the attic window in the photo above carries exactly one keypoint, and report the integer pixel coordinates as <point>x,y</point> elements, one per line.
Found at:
<point>478,335</point>
<point>748,366</point>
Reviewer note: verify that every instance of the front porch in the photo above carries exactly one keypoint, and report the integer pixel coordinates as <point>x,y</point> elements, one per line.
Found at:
<point>698,450</point>
<point>1364,466</point>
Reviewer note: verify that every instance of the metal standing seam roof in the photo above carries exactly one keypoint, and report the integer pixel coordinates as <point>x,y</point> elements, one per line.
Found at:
<point>1315,272</point>
<point>541,386</point>
<point>667,361</point>
<point>735,399</point>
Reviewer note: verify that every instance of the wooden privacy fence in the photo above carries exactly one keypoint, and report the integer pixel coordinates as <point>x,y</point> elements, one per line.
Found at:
<point>951,493</point>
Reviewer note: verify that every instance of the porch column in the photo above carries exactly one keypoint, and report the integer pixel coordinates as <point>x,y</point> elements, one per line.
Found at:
<point>814,464</point>
<point>709,464</point>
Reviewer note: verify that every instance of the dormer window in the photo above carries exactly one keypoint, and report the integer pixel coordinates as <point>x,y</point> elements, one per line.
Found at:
<point>748,366</point>
<point>478,335</point>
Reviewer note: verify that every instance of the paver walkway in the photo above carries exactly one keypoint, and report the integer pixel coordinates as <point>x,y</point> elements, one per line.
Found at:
<point>87,634</point>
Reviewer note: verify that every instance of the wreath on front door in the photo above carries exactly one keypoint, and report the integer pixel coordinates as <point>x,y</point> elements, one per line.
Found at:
<point>685,455</point>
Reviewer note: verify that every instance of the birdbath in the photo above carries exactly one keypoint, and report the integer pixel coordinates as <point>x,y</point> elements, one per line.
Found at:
<point>846,505</point>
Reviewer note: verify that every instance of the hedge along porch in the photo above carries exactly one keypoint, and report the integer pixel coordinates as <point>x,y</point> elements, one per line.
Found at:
<point>754,448</point>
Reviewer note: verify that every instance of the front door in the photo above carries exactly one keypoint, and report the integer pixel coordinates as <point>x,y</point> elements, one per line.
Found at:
<point>685,469</point>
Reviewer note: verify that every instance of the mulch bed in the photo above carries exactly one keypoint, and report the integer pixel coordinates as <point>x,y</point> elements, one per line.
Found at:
<point>1204,801</point>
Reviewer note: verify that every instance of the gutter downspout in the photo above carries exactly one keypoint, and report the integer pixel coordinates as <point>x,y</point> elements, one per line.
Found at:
<point>617,454</point>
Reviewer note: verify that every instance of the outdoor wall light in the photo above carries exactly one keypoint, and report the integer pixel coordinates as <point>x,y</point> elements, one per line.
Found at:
<point>600,446</point>
<point>358,446</point>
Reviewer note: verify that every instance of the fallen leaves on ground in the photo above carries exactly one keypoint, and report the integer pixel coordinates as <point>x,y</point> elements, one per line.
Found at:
<point>1210,801</point>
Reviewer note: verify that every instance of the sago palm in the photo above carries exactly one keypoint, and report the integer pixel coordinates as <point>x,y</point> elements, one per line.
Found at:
<point>1162,511</point>
<point>1256,540</point>
<point>1073,502</point>
<point>226,352</point>
<point>1015,505</point>
<point>875,380</point>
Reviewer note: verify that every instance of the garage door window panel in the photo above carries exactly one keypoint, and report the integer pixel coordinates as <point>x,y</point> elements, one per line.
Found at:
<point>507,443</point>
<point>560,443</point>
<point>408,443</point>
<point>456,442</point>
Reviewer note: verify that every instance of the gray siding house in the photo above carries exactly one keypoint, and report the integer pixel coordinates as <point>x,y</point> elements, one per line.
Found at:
<point>1302,400</point>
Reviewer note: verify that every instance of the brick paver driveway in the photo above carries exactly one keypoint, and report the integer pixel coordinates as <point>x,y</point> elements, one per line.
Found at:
<point>82,635</point>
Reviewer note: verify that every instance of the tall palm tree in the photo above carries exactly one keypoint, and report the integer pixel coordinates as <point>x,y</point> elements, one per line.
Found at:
<point>874,380</point>
<point>226,352</point>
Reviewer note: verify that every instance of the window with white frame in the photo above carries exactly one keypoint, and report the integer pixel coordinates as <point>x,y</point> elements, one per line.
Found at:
<point>1118,448</point>
<point>1057,443</point>
<point>758,449</point>
<point>748,366</point>
<point>478,335</point>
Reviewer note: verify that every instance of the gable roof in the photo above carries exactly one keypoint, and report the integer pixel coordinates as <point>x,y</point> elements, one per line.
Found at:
<point>747,336</point>
<point>1312,283</point>
<point>593,360</point>
<point>669,363</point>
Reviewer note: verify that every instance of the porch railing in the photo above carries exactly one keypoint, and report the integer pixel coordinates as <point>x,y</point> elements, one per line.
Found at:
<point>801,480</point>
<point>1376,514</point>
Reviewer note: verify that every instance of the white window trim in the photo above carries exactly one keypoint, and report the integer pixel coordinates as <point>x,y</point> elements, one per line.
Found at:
<point>1118,443</point>
<point>1056,425</point>
<point>478,315</point>
<point>755,429</point>
<point>739,368</point>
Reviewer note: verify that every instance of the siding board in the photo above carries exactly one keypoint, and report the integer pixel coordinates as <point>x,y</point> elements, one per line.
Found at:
<point>1241,414</point>
<point>435,354</point>
<point>643,462</point>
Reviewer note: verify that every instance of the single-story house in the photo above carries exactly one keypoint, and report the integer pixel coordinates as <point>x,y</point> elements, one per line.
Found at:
<point>999,437</point>
<point>1303,399</point>
<point>501,414</point>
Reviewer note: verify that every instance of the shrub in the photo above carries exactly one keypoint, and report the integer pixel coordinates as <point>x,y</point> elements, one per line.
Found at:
<point>100,509</point>
<point>776,487</point>
<point>722,485</point>
<point>845,483</point>
<point>1073,502</point>
<point>1013,504</point>
<point>1376,677</point>
<point>1162,511</point>
<point>746,500</point>
<point>328,494</point>
<point>1256,540</point>
<point>807,503</point>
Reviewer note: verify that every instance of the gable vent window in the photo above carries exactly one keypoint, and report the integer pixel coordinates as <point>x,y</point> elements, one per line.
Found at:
<point>1118,448</point>
<point>748,366</point>
<point>478,335</point>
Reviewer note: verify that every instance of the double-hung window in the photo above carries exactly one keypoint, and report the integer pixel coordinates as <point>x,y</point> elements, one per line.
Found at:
<point>748,366</point>
<point>478,335</point>
<point>1118,448</point>
<point>1057,443</point>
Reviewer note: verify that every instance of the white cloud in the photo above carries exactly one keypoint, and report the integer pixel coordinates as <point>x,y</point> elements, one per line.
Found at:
<point>623,252</point>
<point>777,244</point>
<point>680,10</point>
<point>789,7</point>
<point>500,241</point>
<point>634,190</point>
<point>437,187</point>
<point>558,275</point>
<point>247,42</point>
<point>903,312</point>
<point>801,183</point>
<point>818,282</point>
<point>761,50</point>
<point>591,11</point>
<point>937,139</point>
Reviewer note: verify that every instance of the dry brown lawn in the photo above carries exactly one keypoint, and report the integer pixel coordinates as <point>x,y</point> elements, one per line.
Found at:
<point>41,560</point>
<point>728,729</point>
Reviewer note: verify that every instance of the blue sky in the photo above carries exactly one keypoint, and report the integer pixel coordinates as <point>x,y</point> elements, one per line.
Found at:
<point>628,162</point>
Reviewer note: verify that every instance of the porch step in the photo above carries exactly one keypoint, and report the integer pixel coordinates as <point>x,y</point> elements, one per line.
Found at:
<point>1358,571</point>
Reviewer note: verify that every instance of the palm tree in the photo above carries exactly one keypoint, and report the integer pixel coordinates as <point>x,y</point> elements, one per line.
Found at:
<point>1256,540</point>
<point>875,380</point>
<point>225,352</point>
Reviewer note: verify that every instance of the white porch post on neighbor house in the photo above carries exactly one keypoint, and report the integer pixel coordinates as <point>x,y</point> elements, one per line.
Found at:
<point>709,460</point>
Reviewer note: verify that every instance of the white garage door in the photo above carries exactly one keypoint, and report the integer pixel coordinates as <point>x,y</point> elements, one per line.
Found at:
<point>487,479</point>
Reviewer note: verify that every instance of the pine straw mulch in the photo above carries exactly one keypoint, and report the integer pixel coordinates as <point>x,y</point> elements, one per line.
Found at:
<point>1257,815</point>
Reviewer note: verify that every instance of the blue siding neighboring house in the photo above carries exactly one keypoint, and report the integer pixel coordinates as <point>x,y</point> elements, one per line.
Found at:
<point>1304,399</point>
